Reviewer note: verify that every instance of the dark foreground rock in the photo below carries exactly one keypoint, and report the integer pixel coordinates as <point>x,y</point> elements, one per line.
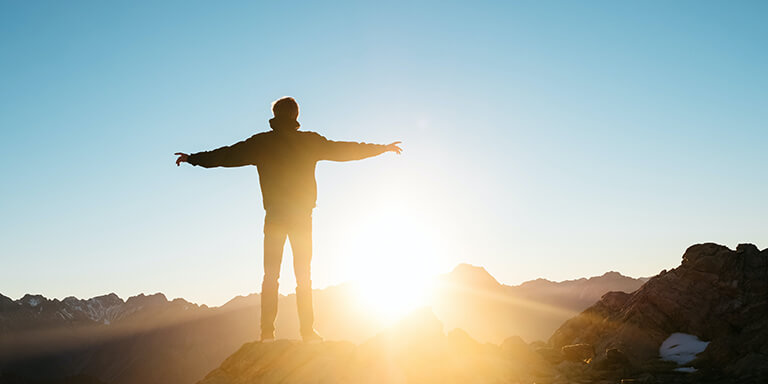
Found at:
<point>717,294</point>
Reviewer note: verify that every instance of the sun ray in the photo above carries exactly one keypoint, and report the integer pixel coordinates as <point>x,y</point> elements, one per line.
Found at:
<point>395,263</point>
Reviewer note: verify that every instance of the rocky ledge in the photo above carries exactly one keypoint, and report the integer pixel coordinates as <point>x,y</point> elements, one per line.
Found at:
<point>415,351</point>
<point>717,295</point>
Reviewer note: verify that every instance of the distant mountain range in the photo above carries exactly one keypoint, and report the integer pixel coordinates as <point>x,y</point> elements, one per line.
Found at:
<point>471,299</point>
<point>149,339</point>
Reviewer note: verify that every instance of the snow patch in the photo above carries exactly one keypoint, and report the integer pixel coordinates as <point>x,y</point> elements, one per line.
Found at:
<point>681,348</point>
<point>33,301</point>
<point>66,314</point>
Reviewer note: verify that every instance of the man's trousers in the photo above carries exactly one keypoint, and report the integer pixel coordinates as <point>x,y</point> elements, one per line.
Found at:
<point>297,227</point>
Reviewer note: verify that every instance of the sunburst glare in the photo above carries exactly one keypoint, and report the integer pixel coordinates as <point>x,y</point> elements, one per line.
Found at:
<point>396,259</point>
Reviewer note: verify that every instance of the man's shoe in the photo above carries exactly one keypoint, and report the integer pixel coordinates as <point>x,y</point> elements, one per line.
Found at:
<point>311,337</point>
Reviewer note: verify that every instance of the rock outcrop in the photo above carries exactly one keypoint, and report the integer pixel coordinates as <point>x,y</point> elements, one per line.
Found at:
<point>415,351</point>
<point>717,294</point>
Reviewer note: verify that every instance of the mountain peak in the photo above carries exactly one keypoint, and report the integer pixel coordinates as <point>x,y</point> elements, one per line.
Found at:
<point>32,300</point>
<point>142,299</point>
<point>471,275</point>
<point>613,274</point>
<point>107,300</point>
<point>109,296</point>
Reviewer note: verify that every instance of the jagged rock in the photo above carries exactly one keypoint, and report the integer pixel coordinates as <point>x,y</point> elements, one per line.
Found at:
<point>551,355</point>
<point>578,352</point>
<point>573,370</point>
<point>717,294</point>
<point>707,257</point>
<point>537,344</point>
<point>753,365</point>
<point>613,364</point>
<point>616,357</point>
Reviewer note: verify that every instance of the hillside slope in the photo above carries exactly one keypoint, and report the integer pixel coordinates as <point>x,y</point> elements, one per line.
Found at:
<point>717,294</point>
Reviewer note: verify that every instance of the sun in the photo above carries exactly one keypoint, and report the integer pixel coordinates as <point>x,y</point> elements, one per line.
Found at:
<point>390,299</point>
<point>394,263</point>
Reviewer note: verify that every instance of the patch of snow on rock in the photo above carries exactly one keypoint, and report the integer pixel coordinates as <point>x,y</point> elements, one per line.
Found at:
<point>681,348</point>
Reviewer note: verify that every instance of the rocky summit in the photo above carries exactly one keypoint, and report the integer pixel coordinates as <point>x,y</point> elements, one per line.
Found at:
<point>415,351</point>
<point>718,295</point>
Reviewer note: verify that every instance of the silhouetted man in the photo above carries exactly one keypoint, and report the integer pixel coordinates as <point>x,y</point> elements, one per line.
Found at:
<point>286,160</point>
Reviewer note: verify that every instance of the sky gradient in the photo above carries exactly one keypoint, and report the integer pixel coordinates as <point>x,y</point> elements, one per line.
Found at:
<point>541,139</point>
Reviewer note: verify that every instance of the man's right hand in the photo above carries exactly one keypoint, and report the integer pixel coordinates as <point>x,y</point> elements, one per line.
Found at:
<point>393,147</point>
<point>182,158</point>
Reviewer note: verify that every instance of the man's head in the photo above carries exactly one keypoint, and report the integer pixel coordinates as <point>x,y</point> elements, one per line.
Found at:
<point>285,108</point>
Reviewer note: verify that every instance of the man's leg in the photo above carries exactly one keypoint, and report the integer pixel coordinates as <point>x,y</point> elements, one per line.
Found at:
<point>274,241</point>
<point>300,236</point>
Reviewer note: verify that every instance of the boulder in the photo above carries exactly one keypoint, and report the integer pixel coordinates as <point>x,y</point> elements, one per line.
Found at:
<point>551,355</point>
<point>578,352</point>
<point>615,356</point>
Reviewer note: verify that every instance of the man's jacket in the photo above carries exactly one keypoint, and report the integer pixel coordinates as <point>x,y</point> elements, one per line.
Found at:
<point>286,160</point>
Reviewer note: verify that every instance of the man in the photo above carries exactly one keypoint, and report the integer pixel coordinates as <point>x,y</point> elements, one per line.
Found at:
<point>286,160</point>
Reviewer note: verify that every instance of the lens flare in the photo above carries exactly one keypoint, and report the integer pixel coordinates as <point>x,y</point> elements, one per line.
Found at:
<point>394,264</point>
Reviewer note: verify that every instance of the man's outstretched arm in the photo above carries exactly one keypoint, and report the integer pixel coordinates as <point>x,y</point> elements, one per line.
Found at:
<point>235,155</point>
<point>350,150</point>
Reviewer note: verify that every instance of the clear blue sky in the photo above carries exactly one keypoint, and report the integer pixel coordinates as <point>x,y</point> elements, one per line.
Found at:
<point>542,139</point>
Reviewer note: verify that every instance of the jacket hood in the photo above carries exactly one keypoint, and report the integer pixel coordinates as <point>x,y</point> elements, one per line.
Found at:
<point>283,124</point>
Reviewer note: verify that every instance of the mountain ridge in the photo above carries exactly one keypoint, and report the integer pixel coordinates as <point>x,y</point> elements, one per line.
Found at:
<point>44,339</point>
<point>113,295</point>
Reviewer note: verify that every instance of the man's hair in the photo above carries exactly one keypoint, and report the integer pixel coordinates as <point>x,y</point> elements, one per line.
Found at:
<point>285,107</point>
